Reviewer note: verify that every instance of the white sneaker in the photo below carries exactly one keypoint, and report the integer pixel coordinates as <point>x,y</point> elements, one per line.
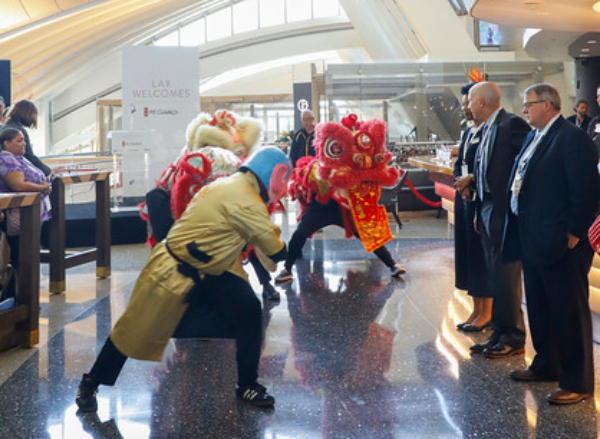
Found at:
<point>398,270</point>
<point>284,276</point>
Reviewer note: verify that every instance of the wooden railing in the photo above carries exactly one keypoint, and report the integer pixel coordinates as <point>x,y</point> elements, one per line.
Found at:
<point>19,325</point>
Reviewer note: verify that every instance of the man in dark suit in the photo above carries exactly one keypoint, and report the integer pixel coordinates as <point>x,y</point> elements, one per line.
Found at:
<point>302,143</point>
<point>594,125</point>
<point>554,194</point>
<point>580,119</point>
<point>503,135</point>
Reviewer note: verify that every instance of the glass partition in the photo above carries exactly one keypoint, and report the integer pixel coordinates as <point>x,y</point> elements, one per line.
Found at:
<point>421,101</point>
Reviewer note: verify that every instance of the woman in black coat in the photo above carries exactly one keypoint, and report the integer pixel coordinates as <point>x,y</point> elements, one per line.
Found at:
<point>470,270</point>
<point>23,115</point>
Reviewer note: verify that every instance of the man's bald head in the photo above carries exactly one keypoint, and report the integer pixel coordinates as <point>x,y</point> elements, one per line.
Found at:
<point>489,92</point>
<point>484,99</point>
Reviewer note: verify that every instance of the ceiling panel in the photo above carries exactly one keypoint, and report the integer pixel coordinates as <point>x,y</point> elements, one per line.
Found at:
<point>560,15</point>
<point>12,12</point>
<point>52,51</point>
<point>68,4</point>
<point>38,9</point>
<point>15,14</point>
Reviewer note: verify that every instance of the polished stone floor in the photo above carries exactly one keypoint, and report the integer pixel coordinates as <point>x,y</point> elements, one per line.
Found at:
<point>349,353</point>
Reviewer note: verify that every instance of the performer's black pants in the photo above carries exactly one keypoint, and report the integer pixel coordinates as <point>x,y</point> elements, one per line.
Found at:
<point>226,308</point>
<point>158,204</point>
<point>263,275</point>
<point>316,217</point>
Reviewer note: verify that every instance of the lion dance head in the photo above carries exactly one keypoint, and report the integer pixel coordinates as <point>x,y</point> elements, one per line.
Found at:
<point>352,165</point>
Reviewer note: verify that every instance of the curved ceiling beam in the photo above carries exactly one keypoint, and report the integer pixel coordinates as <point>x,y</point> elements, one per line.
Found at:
<point>52,52</point>
<point>26,13</point>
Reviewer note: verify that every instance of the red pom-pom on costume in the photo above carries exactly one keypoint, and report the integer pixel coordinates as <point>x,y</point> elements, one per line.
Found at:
<point>350,121</point>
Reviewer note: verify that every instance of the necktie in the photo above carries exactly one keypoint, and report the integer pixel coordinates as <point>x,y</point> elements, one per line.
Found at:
<point>481,167</point>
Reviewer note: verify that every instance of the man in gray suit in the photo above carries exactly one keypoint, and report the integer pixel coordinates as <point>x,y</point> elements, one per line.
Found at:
<point>503,135</point>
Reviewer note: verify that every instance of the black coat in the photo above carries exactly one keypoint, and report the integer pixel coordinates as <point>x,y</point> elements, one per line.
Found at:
<point>470,271</point>
<point>559,195</point>
<point>302,145</point>
<point>506,138</point>
<point>591,129</point>
<point>584,125</point>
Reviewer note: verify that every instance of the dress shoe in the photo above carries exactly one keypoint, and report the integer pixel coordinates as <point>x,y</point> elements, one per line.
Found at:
<point>531,375</point>
<point>501,350</point>
<point>474,328</point>
<point>560,396</point>
<point>461,325</point>
<point>478,348</point>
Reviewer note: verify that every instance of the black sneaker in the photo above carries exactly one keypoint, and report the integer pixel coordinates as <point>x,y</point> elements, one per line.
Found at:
<point>86,395</point>
<point>270,293</point>
<point>256,395</point>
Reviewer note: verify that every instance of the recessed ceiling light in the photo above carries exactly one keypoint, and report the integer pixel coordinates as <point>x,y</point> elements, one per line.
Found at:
<point>585,49</point>
<point>596,7</point>
<point>591,41</point>
<point>534,4</point>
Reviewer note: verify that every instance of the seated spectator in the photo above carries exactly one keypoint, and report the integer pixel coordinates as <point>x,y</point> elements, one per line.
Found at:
<point>19,175</point>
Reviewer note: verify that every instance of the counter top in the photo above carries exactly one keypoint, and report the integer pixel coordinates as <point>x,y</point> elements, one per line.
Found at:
<point>431,163</point>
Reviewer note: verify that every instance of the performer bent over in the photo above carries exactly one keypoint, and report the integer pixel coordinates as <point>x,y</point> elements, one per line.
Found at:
<point>342,186</point>
<point>199,262</point>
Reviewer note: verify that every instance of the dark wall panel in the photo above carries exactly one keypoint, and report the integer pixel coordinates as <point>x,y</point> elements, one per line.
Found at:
<point>5,88</point>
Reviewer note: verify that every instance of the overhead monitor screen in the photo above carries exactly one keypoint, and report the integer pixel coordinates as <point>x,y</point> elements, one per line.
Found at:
<point>489,34</point>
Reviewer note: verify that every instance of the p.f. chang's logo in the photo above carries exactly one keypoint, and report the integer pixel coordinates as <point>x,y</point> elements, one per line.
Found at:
<point>148,112</point>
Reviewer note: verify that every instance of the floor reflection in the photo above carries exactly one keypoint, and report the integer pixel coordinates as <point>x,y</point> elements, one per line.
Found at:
<point>349,353</point>
<point>340,350</point>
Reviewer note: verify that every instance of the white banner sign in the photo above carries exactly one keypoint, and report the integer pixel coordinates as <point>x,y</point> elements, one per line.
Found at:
<point>126,141</point>
<point>161,93</point>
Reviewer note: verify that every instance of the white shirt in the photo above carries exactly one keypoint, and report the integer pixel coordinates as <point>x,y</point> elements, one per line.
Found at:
<point>523,164</point>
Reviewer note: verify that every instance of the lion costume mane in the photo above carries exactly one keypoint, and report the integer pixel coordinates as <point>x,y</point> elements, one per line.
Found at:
<point>351,166</point>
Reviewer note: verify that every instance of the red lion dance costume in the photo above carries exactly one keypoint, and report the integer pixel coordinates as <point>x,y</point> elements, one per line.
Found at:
<point>351,166</point>
<point>216,146</point>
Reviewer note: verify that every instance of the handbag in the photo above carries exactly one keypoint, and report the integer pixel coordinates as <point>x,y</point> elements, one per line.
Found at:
<point>8,283</point>
<point>13,222</point>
